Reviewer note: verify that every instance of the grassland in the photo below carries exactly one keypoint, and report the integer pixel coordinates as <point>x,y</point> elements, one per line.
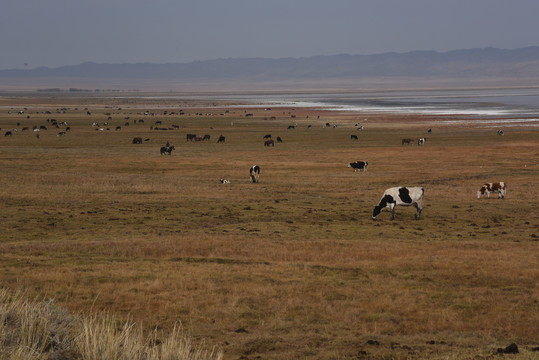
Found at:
<point>291,267</point>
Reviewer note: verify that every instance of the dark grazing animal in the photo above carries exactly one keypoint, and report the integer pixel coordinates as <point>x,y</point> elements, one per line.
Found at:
<point>353,137</point>
<point>221,139</point>
<point>167,149</point>
<point>269,142</point>
<point>267,136</point>
<point>255,174</point>
<point>279,140</point>
<point>400,196</point>
<point>497,187</point>
<point>206,137</point>
<point>358,165</point>
<point>407,141</point>
<point>137,140</point>
<point>190,137</point>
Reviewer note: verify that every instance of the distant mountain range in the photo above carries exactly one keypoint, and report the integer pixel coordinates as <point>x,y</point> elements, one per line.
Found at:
<point>522,63</point>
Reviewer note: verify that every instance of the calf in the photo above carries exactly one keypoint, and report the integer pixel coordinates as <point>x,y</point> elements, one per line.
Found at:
<point>500,132</point>
<point>269,142</point>
<point>400,196</point>
<point>358,165</point>
<point>421,141</point>
<point>497,187</point>
<point>255,174</point>
<point>224,181</point>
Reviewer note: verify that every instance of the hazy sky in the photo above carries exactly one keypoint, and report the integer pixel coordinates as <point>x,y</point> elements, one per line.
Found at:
<point>54,33</point>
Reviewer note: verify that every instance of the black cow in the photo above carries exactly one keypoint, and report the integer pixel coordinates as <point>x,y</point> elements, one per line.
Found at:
<point>358,165</point>
<point>353,137</point>
<point>221,139</point>
<point>167,149</point>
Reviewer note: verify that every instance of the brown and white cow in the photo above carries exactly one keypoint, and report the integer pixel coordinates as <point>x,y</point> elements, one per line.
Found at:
<point>497,187</point>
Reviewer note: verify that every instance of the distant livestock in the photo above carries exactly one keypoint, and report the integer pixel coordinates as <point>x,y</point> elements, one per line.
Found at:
<point>429,131</point>
<point>279,140</point>
<point>353,137</point>
<point>224,181</point>
<point>8,133</point>
<point>497,187</point>
<point>137,140</point>
<point>407,141</point>
<point>206,137</point>
<point>269,142</point>
<point>190,137</point>
<point>267,136</point>
<point>358,165</point>
<point>291,127</point>
<point>421,141</point>
<point>255,174</point>
<point>167,149</point>
<point>400,196</point>
<point>500,132</point>
<point>221,139</point>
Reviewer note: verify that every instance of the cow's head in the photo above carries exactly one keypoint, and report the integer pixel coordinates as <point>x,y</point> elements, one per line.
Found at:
<point>377,210</point>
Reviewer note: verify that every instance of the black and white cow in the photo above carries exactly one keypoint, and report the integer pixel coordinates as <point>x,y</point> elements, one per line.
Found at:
<point>421,141</point>
<point>224,181</point>
<point>358,165</point>
<point>497,187</point>
<point>403,196</point>
<point>500,132</point>
<point>255,174</point>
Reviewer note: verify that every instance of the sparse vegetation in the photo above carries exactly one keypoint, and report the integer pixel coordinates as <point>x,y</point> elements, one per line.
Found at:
<point>291,267</point>
<point>42,330</point>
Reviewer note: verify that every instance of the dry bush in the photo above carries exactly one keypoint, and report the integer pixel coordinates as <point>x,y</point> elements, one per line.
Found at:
<point>41,330</point>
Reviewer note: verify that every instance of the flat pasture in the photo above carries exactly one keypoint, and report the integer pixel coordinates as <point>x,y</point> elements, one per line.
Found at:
<point>293,266</point>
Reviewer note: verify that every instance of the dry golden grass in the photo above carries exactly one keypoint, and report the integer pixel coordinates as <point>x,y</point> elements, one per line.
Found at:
<point>292,267</point>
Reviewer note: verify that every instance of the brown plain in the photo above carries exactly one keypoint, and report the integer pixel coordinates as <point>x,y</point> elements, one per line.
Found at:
<point>291,267</point>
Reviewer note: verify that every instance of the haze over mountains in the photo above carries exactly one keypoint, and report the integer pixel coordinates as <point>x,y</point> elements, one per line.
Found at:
<point>487,66</point>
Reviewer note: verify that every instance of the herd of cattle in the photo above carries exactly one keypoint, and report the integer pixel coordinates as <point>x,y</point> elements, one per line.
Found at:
<point>391,198</point>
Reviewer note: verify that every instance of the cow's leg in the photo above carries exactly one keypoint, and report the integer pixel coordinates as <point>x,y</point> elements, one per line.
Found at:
<point>392,211</point>
<point>488,194</point>
<point>418,211</point>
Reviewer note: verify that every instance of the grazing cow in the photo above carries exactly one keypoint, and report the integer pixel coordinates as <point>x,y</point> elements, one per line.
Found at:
<point>8,133</point>
<point>400,196</point>
<point>255,174</point>
<point>206,137</point>
<point>224,181</point>
<point>421,141</point>
<point>190,137</point>
<point>269,142</point>
<point>497,187</point>
<point>407,141</point>
<point>118,128</point>
<point>429,131</point>
<point>137,140</point>
<point>267,136</point>
<point>353,137</point>
<point>358,165</point>
<point>61,133</point>
<point>279,140</point>
<point>167,149</point>
<point>500,132</point>
<point>291,127</point>
<point>221,139</point>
